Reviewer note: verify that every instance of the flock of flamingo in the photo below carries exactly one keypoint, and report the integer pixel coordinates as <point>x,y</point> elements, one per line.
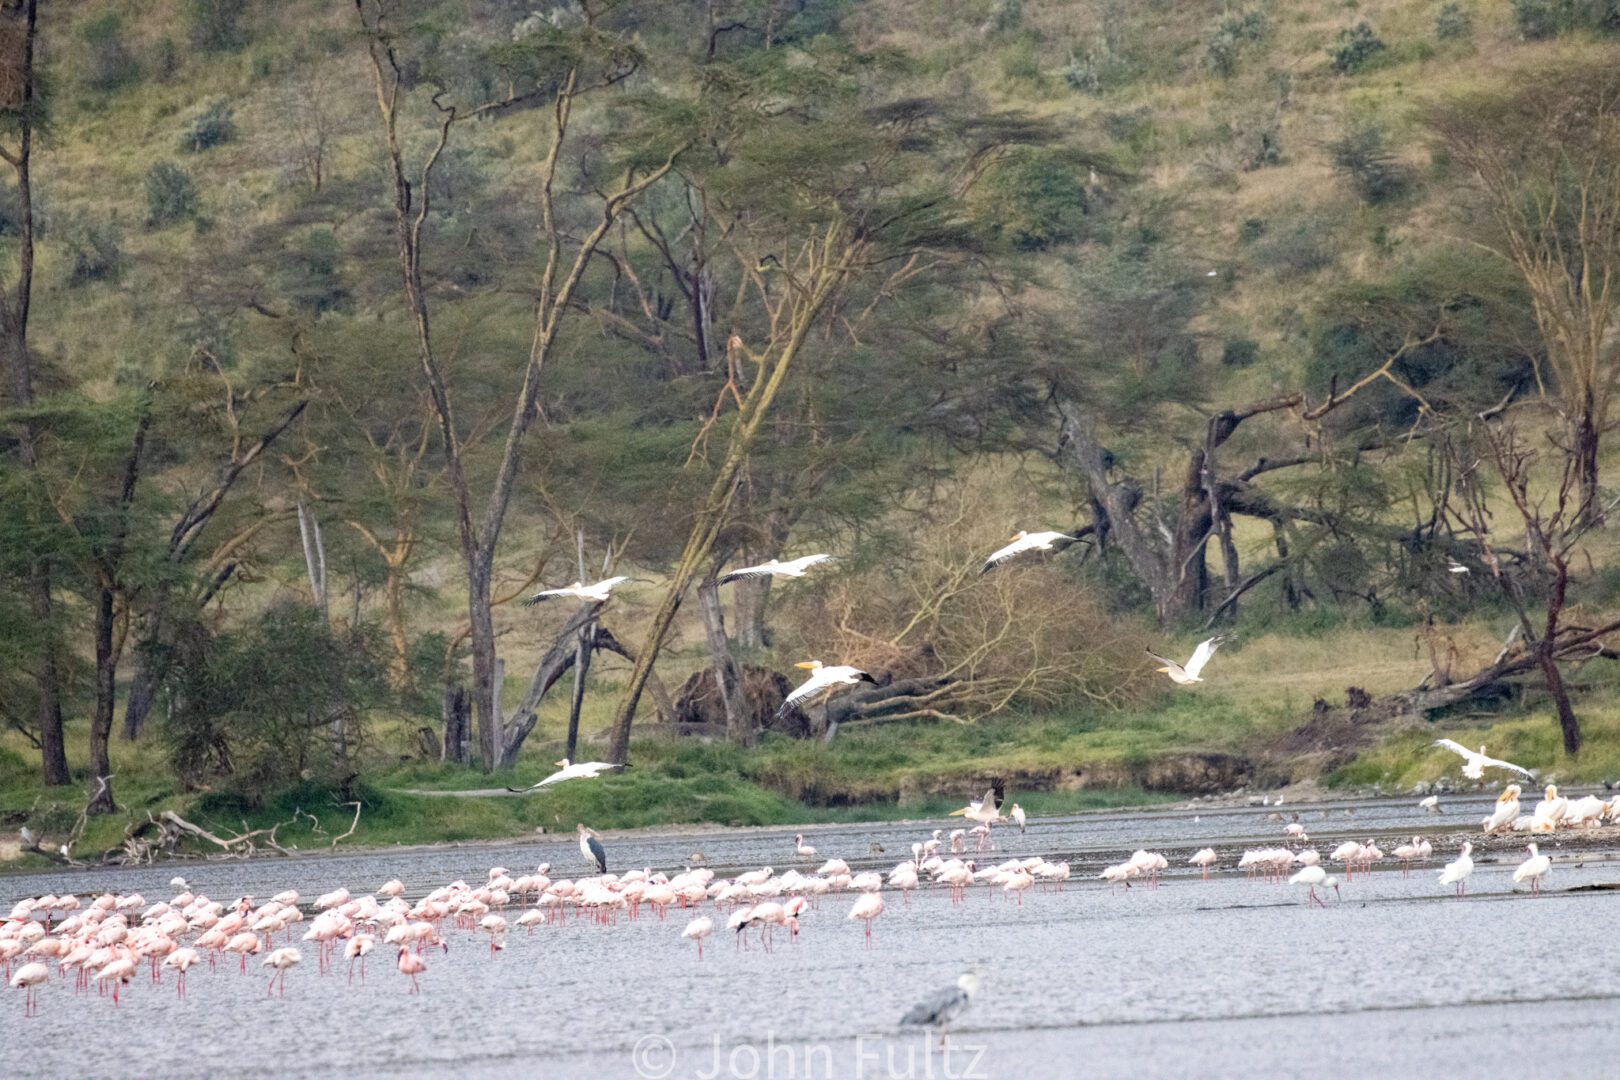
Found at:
<point>105,942</point>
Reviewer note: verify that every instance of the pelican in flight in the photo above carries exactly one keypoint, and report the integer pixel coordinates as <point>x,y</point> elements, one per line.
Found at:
<point>984,810</point>
<point>1474,765</point>
<point>1023,542</point>
<point>773,568</point>
<point>944,1005</point>
<point>571,770</point>
<point>822,678</point>
<point>597,593</point>
<point>1187,674</point>
<point>590,846</point>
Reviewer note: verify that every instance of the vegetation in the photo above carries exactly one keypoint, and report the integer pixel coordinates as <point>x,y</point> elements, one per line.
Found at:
<point>329,332</point>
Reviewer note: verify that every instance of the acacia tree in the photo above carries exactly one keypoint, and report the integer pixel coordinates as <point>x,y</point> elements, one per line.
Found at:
<point>557,65</point>
<point>1545,159</point>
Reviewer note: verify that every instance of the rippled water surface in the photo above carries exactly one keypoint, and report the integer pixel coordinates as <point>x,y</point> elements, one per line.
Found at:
<point>1229,977</point>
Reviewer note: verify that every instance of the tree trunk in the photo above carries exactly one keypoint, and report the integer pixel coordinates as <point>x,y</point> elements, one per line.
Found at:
<point>582,660</point>
<point>102,721</point>
<point>52,743</point>
<point>485,694</point>
<point>748,603</point>
<point>1585,438</point>
<point>309,532</point>
<point>1567,722</point>
<point>456,724</point>
<point>739,721</point>
<point>556,661</point>
<point>394,604</point>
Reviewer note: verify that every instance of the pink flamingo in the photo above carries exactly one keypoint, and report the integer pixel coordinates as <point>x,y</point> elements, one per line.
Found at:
<point>279,961</point>
<point>29,978</point>
<point>867,908</point>
<point>412,965</point>
<point>180,960</point>
<point>697,930</point>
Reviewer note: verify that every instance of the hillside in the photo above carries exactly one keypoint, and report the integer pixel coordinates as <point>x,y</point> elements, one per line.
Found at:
<point>974,267</point>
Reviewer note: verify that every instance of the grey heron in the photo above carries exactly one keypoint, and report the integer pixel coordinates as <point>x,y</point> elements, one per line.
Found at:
<point>590,846</point>
<point>944,1005</point>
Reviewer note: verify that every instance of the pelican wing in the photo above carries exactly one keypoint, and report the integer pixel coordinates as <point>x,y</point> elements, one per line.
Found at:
<point>747,572</point>
<point>1166,661</point>
<point>1498,763</point>
<point>1456,748</point>
<point>1001,555</point>
<point>1201,655</point>
<point>802,692</point>
<point>805,562</point>
<point>546,594</point>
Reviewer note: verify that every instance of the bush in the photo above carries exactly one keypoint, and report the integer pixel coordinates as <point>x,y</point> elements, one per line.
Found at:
<point>95,248</point>
<point>1537,19</point>
<point>1232,36</point>
<point>1034,200</point>
<point>170,195</point>
<point>1355,48</point>
<point>1251,230</point>
<point>1091,72</point>
<point>108,64</point>
<point>1005,15</point>
<point>1453,23</point>
<point>215,25</point>
<point>1240,353</point>
<point>214,126</point>
<point>1375,174</point>
<point>1540,20</point>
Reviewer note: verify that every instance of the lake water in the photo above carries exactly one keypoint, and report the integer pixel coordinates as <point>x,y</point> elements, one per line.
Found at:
<point>1230,977</point>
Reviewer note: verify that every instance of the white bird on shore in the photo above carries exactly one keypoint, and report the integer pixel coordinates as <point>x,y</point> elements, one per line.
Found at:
<point>698,929</point>
<point>1024,542</point>
<point>822,678</point>
<point>1549,812</point>
<point>1187,674</point>
<point>772,568</point>
<point>1474,765</point>
<point>596,592</point>
<point>1507,809</point>
<point>571,770</point>
<point>1017,815</point>
<point>1431,804</point>
<point>1533,869</point>
<point>1456,872</point>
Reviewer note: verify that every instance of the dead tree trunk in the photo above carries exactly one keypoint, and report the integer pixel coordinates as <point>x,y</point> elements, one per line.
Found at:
<point>457,725</point>
<point>582,660</point>
<point>739,722</point>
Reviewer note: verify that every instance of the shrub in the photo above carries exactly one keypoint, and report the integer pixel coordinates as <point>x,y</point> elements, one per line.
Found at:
<point>1539,20</point>
<point>214,126</point>
<point>95,248</point>
<point>170,195</point>
<point>1355,48</point>
<point>1005,15</point>
<point>1091,72</point>
<point>1251,230</point>
<point>215,25</point>
<point>108,64</point>
<point>1233,34</point>
<point>1240,353</point>
<point>1034,200</point>
<point>1375,173</point>
<point>1453,23</point>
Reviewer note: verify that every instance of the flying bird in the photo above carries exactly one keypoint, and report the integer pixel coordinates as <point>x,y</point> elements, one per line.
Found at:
<point>1187,674</point>
<point>984,810</point>
<point>571,770</point>
<point>1023,542</point>
<point>772,568</point>
<point>944,1005</point>
<point>596,593</point>
<point>1456,567</point>
<point>822,678</point>
<point>590,846</point>
<point>1474,765</point>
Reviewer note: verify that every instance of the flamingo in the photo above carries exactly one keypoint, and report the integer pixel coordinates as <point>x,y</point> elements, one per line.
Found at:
<point>1533,870</point>
<point>412,965</point>
<point>280,960</point>
<point>29,978</point>
<point>802,849</point>
<point>1204,858</point>
<point>698,929</point>
<point>180,960</point>
<point>356,949</point>
<point>1311,877</point>
<point>867,908</point>
<point>1456,872</point>
<point>1406,853</point>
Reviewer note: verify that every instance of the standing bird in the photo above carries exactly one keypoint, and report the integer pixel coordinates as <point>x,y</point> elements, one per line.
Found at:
<point>1187,674</point>
<point>945,1005</point>
<point>411,964</point>
<point>1203,858</point>
<point>29,978</point>
<point>1456,872</point>
<point>1431,804</point>
<point>571,770</point>
<point>590,846</point>
<point>802,849</point>
<point>771,568</point>
<point>1474,765</point>
<point>597,592</point>
<point>1507,809</point>
<point>1311,877</point>
<point>1550,810</point>
<point>280,960</point>
<point>1533,870</point>
<point>1024,542</point>
<point>1017,815</point>
<point>867,908</point>
<point>698,929</point>
<point>821,678</point>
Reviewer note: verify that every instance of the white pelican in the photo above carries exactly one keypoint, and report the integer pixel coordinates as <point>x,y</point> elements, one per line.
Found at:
<point>571,770</point>
<point>1431,804</point>
<point>1507,808</point>
<point>1311,877</point>
<point>1585,812</point>
<point>1474,765</point>
<point>822,678</point>
<point>1550,811</point>
<point>1187,674</point>
<point>1023,542</point>
<point>771,568</point>
<point>590,846</point>
<point>1456,872</point>
<point>983,810</point>
<point>942,1006</point>
<point>1533,869</point>
<point>596,593</point>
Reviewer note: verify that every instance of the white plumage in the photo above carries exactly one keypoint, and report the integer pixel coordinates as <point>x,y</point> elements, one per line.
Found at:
<point>596,592</point>
<point>822,678</point>
<point>1187,674</point>
<point>1474,765</point>
<point>1024,542</point>
<point>772,568</point>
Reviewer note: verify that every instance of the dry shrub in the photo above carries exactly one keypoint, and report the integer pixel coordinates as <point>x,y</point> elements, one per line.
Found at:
<point>1031,634</point>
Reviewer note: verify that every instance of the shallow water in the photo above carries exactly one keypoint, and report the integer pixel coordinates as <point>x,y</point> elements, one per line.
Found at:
<point>1227,977</point>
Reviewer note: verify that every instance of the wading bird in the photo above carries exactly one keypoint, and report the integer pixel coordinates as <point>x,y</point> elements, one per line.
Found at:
<point>1203,858</point>
<point>771,568</point>
<point>590,846</point>
<point>1533,869</point>
<point>802,849</point>
<point>1474,765</point>
<point>698,929</point>
<point>938,1009</point>
<point>867,908</point>
<point>279,961</point>
<point>29,978</point>
<point>1311,877</point>
<point>571,770</point>
<point>1017,815</point>
<point>1024,542</point>
<point>1456,872</point>
<point>1431,804</point>
<point>1187,674</point>
<point>822,678</point>
<point>596,592</point>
